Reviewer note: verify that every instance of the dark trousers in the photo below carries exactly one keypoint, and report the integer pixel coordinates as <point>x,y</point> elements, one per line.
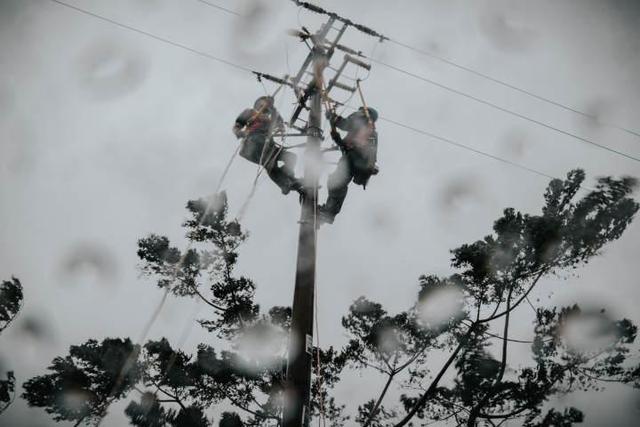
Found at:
<point>278,162</point>
<point>338,182</point>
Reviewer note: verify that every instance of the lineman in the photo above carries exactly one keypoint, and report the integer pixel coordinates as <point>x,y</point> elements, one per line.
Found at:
<point>256,126</point>
<point>358,162</point>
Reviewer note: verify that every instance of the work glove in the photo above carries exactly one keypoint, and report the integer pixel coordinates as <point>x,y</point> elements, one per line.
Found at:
<point>330,115</point>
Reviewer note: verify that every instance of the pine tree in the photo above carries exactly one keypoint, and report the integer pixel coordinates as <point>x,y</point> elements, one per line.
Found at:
<point>451,316</point>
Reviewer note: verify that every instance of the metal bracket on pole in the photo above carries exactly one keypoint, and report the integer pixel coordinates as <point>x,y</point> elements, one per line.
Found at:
<point>357,62</point>
<point>346,61</point>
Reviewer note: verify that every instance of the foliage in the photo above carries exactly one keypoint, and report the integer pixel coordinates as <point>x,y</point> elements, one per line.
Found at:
<point>441,356</point>
<point>82,384</point>
<point>11,298</point>
<point>10,301</point>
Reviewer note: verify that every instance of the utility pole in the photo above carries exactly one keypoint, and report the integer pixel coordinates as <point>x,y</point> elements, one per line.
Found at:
<point>297,396</point>
<point>311,94</point>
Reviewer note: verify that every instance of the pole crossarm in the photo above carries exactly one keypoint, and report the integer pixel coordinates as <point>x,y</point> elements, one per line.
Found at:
<point>359,27</point>
<point>283,81</point>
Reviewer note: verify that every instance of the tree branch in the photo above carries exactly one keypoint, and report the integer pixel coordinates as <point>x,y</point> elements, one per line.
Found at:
<point>517,303</point>
<point>475,411</point>
<point>379,401</point>
<point>432,387</point>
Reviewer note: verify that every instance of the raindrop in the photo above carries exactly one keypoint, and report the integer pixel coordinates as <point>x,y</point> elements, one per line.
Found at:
<point>107,70</point>
<point>507,34</point>
<point>588,333</point>
<point>441,306</point>
<point>88,261</point>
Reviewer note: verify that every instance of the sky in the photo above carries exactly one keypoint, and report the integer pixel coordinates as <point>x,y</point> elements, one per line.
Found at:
<point>105,133</point>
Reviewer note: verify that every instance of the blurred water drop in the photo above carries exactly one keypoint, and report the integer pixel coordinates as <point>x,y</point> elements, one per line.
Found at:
<point>388,340</point>
<point>515,143</point>
<point>261,346</point>
<point>90,262</point>
<point>382,219</point>
<point>147,401</point>
<point>600,111</point>
<point>108,70</point>
<point>36,329</point>
<point>76,400</point>
<point>506,33</point>
<point>588,333</point>
<point>458,191</point>
<point>441,306</point>
<point>253,31</point>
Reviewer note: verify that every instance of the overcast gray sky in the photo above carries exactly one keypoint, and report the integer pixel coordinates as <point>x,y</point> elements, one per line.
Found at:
<point>105,134</point>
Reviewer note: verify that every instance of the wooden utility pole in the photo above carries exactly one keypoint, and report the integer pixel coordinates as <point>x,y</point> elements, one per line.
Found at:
<point>297,396</point>
<point>311,95</point>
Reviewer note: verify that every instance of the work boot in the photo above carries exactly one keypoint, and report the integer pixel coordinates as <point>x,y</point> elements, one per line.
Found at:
<point>297,186</point>
<point>324,216</point>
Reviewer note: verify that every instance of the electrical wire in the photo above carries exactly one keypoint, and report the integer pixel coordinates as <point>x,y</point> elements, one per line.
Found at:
<point>156,312</point>
<point>512,86</point>
<point>153,36</point>
<point>216,6</point>
<point>490,104</point>
<point>466,147</point>
<point>226,62</point>
<point>505,110</point>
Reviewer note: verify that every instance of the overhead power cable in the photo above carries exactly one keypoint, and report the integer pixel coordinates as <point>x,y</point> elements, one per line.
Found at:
<point>472,97</point>
<point>216,6</point>
<point>505,110</point>
<point>466,147</point>
<point>513,87</point>
<point>475,98</point>
<point>243,68</point>
<point>477,73</point>
<point>153,36</point>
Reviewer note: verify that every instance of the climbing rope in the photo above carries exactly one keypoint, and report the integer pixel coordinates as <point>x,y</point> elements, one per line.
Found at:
<point>133,356</point>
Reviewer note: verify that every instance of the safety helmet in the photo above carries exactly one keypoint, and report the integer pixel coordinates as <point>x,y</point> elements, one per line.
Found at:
<point>373,114</point>
<point>268,99</point>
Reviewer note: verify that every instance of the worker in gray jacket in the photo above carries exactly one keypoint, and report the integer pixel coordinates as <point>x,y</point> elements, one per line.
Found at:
<point>359,154</point>
<point>256,126</point>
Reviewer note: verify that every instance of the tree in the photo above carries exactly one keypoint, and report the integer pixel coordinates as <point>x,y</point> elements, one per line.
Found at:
<point>452,316</point>
<point>11,298</point>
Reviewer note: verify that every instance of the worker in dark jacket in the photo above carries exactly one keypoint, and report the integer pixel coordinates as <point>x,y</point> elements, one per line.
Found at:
<point>256,126</point>
<point>358,162</point>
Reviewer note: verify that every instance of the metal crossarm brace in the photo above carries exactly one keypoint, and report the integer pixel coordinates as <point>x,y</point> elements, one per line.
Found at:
<point>347,59</point>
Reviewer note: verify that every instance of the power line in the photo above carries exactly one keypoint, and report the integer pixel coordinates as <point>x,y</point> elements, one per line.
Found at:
<point>491,104</point>
<point>237,66</point>
<point>466,147</point>
<point>513,87</point>
<point>216,6</point>
<point>153,36</point>
<point>495,106</point>
<point>505,110</point>
<point>500,82</point>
